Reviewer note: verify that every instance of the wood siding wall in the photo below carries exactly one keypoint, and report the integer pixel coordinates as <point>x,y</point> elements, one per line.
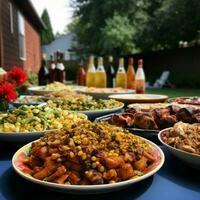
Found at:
<point>9,42</point>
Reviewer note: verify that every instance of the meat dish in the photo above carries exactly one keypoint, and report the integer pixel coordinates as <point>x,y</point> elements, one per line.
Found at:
<point>157,118</point>
<point>184,136</point>
<point>89,154</point>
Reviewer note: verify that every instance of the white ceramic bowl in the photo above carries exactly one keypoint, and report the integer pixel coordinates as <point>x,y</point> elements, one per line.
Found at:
<point>92,114</point>
<point>84,189</point>
<point>39,90</point>
<point>139,98</point>
<point>192,160</point>
<point>21,137</point>
<point>105,95</point>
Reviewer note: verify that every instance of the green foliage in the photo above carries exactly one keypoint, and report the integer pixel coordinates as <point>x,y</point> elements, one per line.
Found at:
<point>71,26</point>
<point>117,36</point>
<point>32,78</point>
<point>47,35</point>
<point>124,26</point>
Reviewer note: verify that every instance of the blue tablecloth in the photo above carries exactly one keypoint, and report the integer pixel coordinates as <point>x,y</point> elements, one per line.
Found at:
<point>175,180</point>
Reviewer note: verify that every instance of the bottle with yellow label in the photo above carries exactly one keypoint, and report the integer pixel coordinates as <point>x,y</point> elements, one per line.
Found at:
<point>121,77</point>
<point>90,76</point>
<point>100,75</point>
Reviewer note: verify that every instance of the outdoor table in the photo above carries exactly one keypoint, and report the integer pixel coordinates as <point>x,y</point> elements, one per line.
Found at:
<point>175,180</point>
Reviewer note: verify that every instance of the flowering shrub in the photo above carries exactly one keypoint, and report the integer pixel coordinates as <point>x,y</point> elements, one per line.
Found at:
<point>8,92</point>
<point>16,76</point>
<point>9,83</point>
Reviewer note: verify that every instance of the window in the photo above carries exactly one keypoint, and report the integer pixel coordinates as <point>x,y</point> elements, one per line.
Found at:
<point>11,18</point>
<point>21,30</point>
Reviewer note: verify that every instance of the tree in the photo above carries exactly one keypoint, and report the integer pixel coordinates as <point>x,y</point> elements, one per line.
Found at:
<point>124,26</point>
<point>117,36</point>
<point>93,30</point>
<point>47,35</point>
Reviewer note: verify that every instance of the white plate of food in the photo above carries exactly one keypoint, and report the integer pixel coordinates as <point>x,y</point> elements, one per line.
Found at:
<point>151,106</point>
<point>28,100</point>
<point>139,98</point>
<point>92,108</point>
<point>52,87</point>
<point>83,169</point>
<point>66,94</point>
<point>185,100</point>
<point>103,93</point>
<point>182,141</point>
<point>39,90</point>
<point>92,114</point>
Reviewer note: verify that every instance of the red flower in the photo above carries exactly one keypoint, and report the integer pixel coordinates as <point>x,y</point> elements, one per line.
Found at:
<point>16,76</point>
<point>2,81</point>
<point>8,92</point>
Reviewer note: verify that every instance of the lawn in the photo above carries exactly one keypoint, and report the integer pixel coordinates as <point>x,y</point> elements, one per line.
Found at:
<point>174,92</point>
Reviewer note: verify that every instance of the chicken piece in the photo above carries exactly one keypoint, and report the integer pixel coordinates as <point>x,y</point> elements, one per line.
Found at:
<point>94,177</point>
<point>141,164</point>
<point>132,110</point>
<point>144,120</point>
<point>61,179</point>
<point>112,162</point>
<point>50,167</point>
<point>33,162</point>
<point>196,115</point>
<point>173,109</point>
<point>163,118</point>
<point>53,150</point>
<point>59,172</point>
<point>129,157</point>
<point>123,120</point>
<point>186,115</point>
<point>73,178</point>
<point>110,175</point>
<point>84,181</point>
<point>126,172</point>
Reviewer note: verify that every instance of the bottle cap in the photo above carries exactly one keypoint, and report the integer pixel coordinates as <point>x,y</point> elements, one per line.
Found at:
<point>131,61</point>
<point>110,59</point>
<point>100,61</point>
<point>121,61</point>
<point>140,63</point>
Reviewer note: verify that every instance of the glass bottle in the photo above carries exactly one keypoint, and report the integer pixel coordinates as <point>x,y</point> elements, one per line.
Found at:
<point>100,76</point>
<point>140,78</point>
<point>90,76</point>
<point>131,74</point>
<point>121,78</point>
<point>81,75</point>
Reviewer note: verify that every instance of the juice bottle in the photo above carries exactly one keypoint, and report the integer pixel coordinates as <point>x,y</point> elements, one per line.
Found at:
<point>81,74</point>
<point>100,76</point>
<point>140,78</point>
<point>121,78</point>
<point>131,75</point>
<point>90,76</point>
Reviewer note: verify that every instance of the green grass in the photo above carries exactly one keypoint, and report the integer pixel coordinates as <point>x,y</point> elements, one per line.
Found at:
<point>174,92</point>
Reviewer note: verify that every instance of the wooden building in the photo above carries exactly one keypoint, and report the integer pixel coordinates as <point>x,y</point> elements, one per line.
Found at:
<point>20,28</point>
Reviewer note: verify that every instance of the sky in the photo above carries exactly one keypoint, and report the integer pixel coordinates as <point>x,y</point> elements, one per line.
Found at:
<point>60,12</point>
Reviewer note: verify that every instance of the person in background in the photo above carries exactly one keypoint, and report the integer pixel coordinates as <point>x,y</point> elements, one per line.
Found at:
<point>60,69</point>
<point>52,69</point>
<point>43,74</point>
